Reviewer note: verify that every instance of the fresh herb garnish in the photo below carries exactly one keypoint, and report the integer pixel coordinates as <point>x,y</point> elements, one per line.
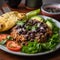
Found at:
<point>3,42</point>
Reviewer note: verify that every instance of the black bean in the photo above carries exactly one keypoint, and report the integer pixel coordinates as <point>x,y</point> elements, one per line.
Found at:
<point>37,30</point>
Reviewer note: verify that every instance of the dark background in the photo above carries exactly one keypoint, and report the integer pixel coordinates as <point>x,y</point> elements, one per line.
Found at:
<point>45,1</point>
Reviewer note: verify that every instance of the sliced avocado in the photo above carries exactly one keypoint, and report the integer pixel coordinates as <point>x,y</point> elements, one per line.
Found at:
<point>49,24</point>
<point>32,13</point>
<point>38,18</point>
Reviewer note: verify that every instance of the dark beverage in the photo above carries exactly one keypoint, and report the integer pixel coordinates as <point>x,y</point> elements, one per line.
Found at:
<point>14,3</point>
<point>33,3</point>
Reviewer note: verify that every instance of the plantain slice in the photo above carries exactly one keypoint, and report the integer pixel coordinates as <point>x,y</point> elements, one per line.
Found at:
<point>8,20</point>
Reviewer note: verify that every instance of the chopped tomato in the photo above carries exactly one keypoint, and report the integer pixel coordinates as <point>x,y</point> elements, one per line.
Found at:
<point>3,36</point>
<point>12,45</point>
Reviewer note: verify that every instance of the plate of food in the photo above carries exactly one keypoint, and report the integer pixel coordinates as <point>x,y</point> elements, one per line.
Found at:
<point>29,34</point>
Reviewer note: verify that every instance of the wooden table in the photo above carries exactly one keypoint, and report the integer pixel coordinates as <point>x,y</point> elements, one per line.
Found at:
<point>6,56</point>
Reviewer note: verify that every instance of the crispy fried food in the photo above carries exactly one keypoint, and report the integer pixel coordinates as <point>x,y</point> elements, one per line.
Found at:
<point>8,20</point>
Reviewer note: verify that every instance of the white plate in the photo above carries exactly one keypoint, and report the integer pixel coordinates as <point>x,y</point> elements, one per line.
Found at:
<point>41,53</point>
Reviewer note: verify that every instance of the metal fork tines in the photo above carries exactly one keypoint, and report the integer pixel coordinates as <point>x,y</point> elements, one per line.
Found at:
<point>1,12</point>
<point>6,9</point>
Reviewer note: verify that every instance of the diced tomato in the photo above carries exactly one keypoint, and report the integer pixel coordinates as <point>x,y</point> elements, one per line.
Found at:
<point>12,45</point>
<point>3,36</point>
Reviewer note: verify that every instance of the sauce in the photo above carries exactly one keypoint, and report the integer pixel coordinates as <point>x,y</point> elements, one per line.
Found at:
<point>52,9</point>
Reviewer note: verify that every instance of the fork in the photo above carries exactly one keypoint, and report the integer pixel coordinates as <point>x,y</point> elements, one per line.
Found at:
<point>4,9</point>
